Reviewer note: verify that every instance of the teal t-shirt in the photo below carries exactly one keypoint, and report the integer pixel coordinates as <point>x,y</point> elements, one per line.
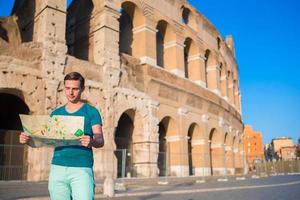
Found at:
<point>77,156</point>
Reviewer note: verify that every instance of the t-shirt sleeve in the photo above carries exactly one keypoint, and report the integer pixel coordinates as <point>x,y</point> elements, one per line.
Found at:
<point>55,112</point>
<point>96,117</point>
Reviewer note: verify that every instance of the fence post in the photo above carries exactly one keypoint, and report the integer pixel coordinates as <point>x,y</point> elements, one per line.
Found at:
<point>123,162</point>
<point>225,163</point>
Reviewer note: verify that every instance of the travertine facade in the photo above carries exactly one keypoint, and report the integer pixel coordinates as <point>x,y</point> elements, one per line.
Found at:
<point>160,73</point>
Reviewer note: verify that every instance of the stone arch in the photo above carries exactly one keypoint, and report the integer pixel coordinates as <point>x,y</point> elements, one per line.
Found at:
<point>195,152</point>
<point>126,135</point>
<point>230,85</point>
<point>164,36</point>
<point>188,18</point>
<point>223,79</point>
<point>234,91</point>
<point>190,50</point>
<point>216,151</point>
<point>229,156</point>
<point>12,155</point>
<point>212,71</point>
<point>160,36</point>
<point>219,42</point>
<point>208,61</point>
<point>79,34</point>
<point>167,130</point>
<point>131,20</point>
<point>235,151</point>
<point>25,12</point>
<point>126,31</point>
<point>236,94</point>
<point>240,166</point>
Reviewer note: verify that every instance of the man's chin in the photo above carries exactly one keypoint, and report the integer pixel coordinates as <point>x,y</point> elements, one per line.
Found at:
<point>73,100</point>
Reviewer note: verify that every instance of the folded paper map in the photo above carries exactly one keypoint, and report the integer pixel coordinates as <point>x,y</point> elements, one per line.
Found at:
<point>54,130</point>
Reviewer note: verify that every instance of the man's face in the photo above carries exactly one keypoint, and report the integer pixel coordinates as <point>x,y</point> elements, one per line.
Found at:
<point>73,90</point>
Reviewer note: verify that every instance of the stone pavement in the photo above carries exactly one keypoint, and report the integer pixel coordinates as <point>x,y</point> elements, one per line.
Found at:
<point>124,187</point>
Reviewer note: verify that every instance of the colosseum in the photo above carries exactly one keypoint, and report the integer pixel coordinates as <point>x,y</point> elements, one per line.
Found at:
<point>164,79</point>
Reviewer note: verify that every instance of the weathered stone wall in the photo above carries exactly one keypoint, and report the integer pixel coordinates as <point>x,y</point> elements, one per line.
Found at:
<point>201,109</point>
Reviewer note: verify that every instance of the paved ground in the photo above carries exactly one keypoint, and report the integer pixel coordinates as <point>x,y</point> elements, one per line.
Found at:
<point>272,188</point>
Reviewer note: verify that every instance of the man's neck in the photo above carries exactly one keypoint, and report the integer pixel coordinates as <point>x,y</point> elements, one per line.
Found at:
<point>73,106</point>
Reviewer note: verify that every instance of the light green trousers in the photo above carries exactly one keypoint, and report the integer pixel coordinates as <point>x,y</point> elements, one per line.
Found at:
<point>76,183</point>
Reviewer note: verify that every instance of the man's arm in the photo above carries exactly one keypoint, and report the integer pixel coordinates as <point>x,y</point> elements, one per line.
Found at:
<point>98,140</point>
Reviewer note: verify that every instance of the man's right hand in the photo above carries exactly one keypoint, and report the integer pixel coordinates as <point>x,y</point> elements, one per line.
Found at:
<point>23,138</point>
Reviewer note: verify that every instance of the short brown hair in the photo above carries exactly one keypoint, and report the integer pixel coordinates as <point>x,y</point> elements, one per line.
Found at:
<point>75,76</point>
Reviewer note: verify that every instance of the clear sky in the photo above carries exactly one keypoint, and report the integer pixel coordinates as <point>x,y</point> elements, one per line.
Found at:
<point>267,46</point>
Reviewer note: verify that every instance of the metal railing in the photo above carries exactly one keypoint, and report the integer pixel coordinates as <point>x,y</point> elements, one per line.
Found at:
<point>12,162</point>
<point>280,167</point>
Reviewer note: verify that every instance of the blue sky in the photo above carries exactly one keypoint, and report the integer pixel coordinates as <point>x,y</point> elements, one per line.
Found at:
<point>267,46</point>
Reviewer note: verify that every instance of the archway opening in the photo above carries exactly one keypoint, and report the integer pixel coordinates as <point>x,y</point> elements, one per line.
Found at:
<point>207,63</point>
<point>187,45</point>
<point>126,28</point>
<point>191,153</point>
<point>167,128</point>
<point>226,155</point>
<point>210,151</point>
<point>79,35</point>
<point>214,145</point>
<point>123,140</point>
<point>12,162</point>
<point>185,15</point>
<point>162,157</point>
<point>160,37</point>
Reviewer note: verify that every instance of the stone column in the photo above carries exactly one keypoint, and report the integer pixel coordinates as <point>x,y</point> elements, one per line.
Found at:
<point>200,148</point>
<point>197,69</point>
<point>177,155</point>
<point>213,78</point>
<point>237,161</point>
<point>218,161</point>
<point>144,43</point>
<point>106,35</point>
<point>174,56</point>
<point>200,156</point>
<point>230,89</point>
<point>224,86</point>
<point>237,99</point>
<point>143,164</point>
<point>105,161</point>
<point>49,29</point>
<point>229,160</point>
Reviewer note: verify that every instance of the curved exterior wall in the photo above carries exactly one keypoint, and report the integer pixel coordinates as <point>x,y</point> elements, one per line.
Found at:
<point>190,103</point>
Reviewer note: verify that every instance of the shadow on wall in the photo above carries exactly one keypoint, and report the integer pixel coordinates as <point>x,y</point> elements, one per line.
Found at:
<point>126,33</point>
<point>25,12</point>
<point>79,35</point>
<point>12,162</point>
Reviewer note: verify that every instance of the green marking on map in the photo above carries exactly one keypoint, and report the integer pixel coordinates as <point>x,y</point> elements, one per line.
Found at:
<point>78,133</point>
<point>26,130</point>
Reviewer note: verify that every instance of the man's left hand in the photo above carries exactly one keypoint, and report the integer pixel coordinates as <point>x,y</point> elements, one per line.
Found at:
<point>86,141</point>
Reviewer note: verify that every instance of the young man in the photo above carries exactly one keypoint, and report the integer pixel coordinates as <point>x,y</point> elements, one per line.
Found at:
<point>71,173</point>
